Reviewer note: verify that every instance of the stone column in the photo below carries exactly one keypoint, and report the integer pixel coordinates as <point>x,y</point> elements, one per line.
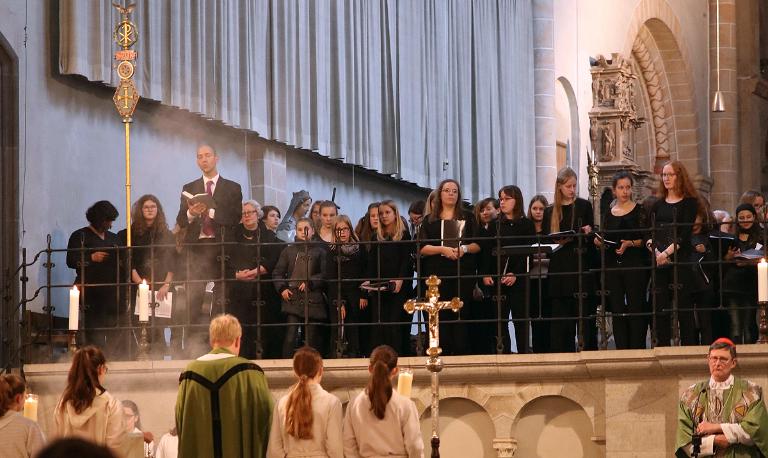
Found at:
<point>724,126</point>
<point>505,447</point>
<point>267,172</point>
<point>544,95</point>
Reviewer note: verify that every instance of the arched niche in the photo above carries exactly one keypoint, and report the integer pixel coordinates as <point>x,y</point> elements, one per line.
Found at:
<point>567,129</point>
<point>555,426</point>
<point>466,429</point>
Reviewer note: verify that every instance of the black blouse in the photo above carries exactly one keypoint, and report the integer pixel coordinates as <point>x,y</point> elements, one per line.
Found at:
<point>95,272</point>
<point>565,259</point>
<point>665,215</point>
<point>431,233</point>
<point>632,226</point>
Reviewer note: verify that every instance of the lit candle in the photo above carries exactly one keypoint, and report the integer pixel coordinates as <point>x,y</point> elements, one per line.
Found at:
<point>405,382</point>
<point>762,281</point>
<point>30,407</point>
<point>144,301</point>
<point>74,308</point>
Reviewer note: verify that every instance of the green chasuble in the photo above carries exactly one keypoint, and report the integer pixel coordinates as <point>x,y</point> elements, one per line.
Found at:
<point>223,409</point>
<point>742,404</point>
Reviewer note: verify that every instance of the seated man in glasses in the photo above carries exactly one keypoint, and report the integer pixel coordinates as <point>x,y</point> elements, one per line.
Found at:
<point>726,413</point>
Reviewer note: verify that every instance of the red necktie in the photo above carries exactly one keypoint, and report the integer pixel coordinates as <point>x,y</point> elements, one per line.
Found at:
<point>207,221</point>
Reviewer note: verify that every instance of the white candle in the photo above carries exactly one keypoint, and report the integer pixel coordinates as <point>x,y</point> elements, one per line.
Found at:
<point>762,281</point>
<point>30,407</point>
<point>74,308</point>
<point>405,382</point>
<point>144,301</point>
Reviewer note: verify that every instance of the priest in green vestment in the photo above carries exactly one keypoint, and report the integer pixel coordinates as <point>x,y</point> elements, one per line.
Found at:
<point>224,406</point>
<point>727,412</point>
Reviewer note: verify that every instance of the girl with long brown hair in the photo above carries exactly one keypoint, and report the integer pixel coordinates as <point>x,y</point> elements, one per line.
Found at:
<point>541,309</point>
<point>673,217</point>
<point>568,213</point>
<point>379,421</point>
<point>306,422</point>
<point>391,259</point>
<point>368,225</point>
<point>87,409</point>
<point>153,259</point>
<point>512,228</point>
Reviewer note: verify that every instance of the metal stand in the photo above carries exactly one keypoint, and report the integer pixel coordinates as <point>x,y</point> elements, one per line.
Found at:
<point>72,345</point>
<point>434,364</point>
<point>762,324</point>
<point>143,354</point>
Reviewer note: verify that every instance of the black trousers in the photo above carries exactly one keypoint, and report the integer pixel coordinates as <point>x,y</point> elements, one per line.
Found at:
<point>664,290</point>
<point>102,311</point>
<point>627,295</point>
<point>387,307</point>
<point>541,311</point>
<point>349,334</point>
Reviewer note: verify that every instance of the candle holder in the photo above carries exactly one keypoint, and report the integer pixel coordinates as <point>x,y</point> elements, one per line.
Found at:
<point>434,364</point>
<point>143,354</point>
<point>762,324</point>
<point>72,344</point>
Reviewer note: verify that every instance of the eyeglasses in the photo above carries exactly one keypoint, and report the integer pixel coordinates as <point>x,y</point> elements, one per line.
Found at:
<point>342,229</point>
<point>718,359</point>
<point>249,213</point>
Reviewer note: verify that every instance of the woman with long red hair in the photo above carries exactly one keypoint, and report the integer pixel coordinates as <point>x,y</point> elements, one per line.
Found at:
<point>673,216</point>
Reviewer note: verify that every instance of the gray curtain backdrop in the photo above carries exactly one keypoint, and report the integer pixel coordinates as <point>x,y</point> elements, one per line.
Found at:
<point>423,89</point>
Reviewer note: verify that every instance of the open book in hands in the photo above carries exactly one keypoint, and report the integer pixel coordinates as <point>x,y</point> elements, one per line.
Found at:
<point>203,198</point>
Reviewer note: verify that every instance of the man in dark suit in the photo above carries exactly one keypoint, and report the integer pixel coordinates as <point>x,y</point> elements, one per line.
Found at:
<point>202,228</point>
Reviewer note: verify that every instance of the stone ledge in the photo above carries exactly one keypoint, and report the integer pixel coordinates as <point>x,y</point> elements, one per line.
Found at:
<point>615,364</point>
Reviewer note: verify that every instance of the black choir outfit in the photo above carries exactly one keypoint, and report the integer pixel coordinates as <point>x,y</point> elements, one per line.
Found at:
<point>152,256</point>
<point>519,232</point>
<point>665,215</point>
<point>387,260</point>
<point>564,278</point>
<point>255,301</point>
<point>740,289</point>
<point>453,337</point>
<point>347,264</point>
<point>101,304</point>
<point>627,288</point>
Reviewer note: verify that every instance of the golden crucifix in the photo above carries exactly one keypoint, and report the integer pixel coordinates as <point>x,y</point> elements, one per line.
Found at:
<point>432,306</point>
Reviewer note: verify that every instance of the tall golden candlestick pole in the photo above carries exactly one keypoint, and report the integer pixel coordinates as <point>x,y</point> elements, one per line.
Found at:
<point>126,98</point>
<point>593,171</point>
<point>432,306</point>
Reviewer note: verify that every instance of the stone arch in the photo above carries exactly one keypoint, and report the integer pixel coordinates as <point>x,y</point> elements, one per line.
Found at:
<point>555,426</point>
<point>466,427</point>
<point>573,111</point>
<point>9,193</point>
<point>654,40</point>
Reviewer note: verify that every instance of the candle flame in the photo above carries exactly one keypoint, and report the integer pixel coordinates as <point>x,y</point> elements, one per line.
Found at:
<point>144,282</point>
<point>74,287</point>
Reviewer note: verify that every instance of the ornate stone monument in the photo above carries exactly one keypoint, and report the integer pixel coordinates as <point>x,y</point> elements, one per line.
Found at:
<point>612,123</point>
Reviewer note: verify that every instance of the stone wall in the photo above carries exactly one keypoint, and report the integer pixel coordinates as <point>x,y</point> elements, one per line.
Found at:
<point>591,404</point>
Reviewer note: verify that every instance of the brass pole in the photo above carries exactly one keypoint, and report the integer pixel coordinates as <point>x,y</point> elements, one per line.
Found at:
<point>127,123</point>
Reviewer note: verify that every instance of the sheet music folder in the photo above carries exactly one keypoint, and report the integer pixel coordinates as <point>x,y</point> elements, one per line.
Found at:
<point>520,250</point>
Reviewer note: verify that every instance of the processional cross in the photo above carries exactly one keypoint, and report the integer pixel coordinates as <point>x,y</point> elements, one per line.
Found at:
<point>433,305</point>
